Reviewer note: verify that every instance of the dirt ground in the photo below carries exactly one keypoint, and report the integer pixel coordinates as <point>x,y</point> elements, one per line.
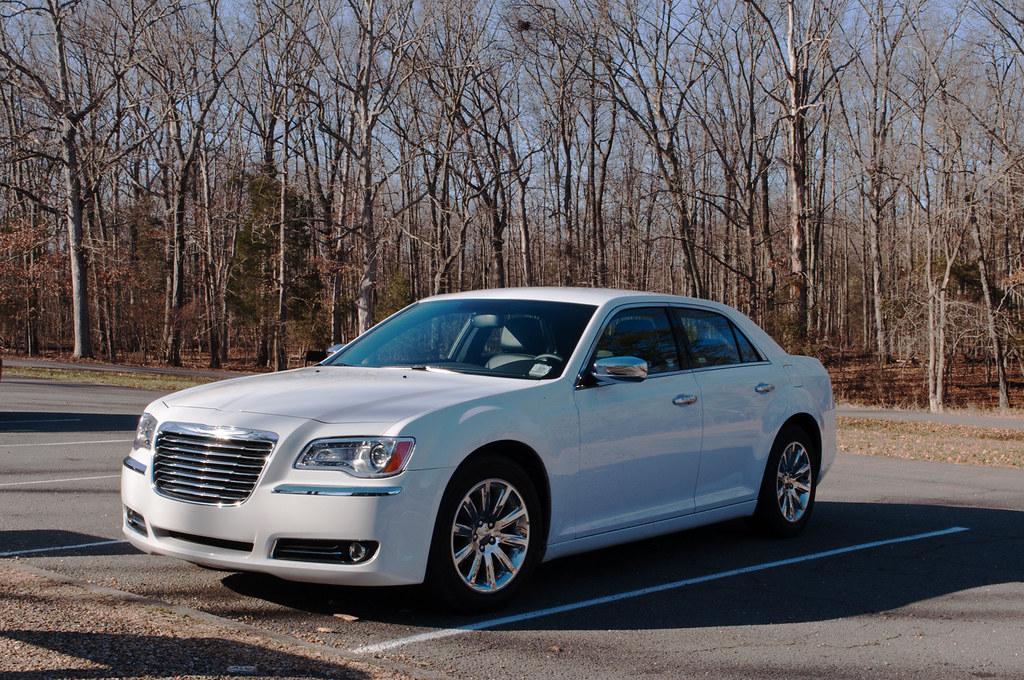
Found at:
<point>52,628</point>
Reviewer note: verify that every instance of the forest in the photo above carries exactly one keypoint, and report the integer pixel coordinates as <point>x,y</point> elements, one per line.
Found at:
<point>233,182</point>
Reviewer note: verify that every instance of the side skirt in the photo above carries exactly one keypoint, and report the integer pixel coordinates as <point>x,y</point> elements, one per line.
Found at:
<point>639,533</point>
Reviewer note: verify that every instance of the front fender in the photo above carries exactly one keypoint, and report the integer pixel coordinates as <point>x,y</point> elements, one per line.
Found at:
<point>541,418</point>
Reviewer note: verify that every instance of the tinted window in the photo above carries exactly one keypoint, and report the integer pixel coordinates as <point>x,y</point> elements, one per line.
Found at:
<point>511,338</point>
<point>710,338</point>
<point>748,353</point>
<point>644,333</point>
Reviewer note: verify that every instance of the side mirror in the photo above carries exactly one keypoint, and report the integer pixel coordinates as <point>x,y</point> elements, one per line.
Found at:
<point>619,369</point>
<point>315,356</point>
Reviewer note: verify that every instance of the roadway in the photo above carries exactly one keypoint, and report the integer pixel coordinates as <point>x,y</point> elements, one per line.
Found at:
<point>908,569</point>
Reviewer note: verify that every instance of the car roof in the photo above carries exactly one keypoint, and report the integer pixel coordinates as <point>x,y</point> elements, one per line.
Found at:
<point>587,296</point>
<point>611,298</point>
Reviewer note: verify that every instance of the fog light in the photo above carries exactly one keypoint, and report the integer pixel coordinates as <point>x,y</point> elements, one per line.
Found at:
<point>357,551</point>
<point>324,550</point>
<point>135,521</point>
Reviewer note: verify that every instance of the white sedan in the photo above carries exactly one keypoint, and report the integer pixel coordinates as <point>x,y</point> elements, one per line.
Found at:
<point>471,436</point>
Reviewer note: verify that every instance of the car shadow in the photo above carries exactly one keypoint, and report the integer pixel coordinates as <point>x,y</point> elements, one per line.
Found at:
<point>54,422</point>
<point>127,655</point>
<point>857,582</point>
<point>54,542</point>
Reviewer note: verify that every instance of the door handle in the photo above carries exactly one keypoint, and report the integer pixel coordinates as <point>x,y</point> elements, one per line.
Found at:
<point>764,388</point>
<point>684,399</point>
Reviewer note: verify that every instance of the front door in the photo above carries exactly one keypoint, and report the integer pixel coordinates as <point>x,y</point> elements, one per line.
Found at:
<point>640,442</point>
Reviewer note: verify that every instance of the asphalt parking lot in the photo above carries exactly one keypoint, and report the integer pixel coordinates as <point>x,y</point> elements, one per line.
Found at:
<point>908,569</point>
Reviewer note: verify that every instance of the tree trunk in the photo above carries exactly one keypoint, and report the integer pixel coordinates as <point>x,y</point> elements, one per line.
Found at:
<point>76,250</point>
<point>797,176</point>
<point>337,278</point>
<point>990,319</point>
<point>280,327</point>
<point>876,272</point>
<point>797,180</point>
<point>368,280</point>
<point>524,237</point>
<point>210,283</point>
<point>172,353</point>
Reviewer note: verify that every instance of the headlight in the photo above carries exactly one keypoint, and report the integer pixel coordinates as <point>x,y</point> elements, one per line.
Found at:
<point>358,456</point>
<point>144,433</point>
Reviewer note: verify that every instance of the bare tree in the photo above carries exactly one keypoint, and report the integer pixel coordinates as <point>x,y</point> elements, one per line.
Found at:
<point>802,42</point>
<point>650,65</point>
<point>285,172</point>
<point>188,75</point>
<point>54,78</point>
<point>870,120</point>
<point>371,66</point>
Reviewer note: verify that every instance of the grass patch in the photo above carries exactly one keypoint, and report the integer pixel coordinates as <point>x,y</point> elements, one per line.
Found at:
<point>932,441</point>
<point>142,381</point>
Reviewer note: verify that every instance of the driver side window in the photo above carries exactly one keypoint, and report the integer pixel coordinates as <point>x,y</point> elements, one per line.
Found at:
<point>642,332</point>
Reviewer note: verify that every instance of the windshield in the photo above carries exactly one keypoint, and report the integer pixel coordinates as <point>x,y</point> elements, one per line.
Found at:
<point>529,339</point>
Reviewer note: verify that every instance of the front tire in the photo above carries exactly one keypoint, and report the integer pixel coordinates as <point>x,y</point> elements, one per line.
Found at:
<point>789,486</point>
<point>487,536</point>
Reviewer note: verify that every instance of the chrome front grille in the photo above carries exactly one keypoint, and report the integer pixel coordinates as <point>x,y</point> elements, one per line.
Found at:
<point>210,465</point>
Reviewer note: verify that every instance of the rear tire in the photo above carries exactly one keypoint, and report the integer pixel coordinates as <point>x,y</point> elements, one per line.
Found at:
<point>789,486</point>
<point>487,536</point>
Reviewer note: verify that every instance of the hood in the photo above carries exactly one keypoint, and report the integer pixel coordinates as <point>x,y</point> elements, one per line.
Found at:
<point>343,394</point>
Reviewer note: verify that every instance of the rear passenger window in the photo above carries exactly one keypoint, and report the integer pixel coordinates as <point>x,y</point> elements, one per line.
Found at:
<point>714,340</point>
<point>644,333</point>
<point>748,353</point>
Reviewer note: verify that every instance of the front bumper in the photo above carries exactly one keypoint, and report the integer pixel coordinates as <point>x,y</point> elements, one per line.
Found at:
<point>402,523</point>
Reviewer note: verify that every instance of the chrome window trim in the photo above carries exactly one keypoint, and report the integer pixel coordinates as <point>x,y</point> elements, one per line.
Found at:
<point>710,368</point>
<point>219,432</point>
<point>725,366</point>
<point>315,490</point>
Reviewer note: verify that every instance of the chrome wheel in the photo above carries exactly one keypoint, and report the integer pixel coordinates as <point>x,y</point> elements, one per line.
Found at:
<point>793,482</point>
<point>490,535</point>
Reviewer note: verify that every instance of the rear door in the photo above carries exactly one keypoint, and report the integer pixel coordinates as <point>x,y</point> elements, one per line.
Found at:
<point>640,442</point>
<point>737,387</point>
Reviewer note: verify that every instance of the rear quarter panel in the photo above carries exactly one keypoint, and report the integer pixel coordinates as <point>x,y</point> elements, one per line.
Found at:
<point>818,386</point>
<point>803,386</point>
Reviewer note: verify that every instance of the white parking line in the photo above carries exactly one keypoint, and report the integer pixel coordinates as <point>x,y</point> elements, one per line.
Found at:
<point>54,481</point>
<point>16,553</point>
<point>42,420</point>
<point>641,592</point>
<point>93,441</point>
